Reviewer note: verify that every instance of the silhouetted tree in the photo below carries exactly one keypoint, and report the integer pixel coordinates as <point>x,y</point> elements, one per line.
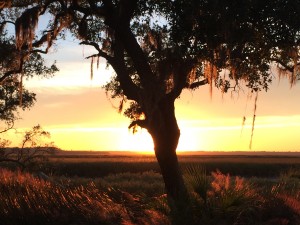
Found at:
<point>33,150</point>
<point>159,48</point>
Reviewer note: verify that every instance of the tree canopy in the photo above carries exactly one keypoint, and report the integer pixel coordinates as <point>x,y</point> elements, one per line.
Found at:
<point>245,38</point>
<point>171,45</point>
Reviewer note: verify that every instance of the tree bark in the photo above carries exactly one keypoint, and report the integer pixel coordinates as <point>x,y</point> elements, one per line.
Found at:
<point>165,133</point>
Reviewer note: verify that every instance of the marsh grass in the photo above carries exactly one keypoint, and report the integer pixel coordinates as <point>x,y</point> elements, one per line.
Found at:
<point>139,199</point>
<point>290,173</point>
<point>146,184</point>
<point>234,165</point>
<point>28,200</point>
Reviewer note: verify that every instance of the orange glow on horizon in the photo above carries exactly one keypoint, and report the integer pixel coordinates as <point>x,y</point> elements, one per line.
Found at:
<point>82,118</point>
<point>223,135</point>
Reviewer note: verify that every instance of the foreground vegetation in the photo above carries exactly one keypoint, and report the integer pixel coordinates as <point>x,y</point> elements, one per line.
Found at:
<point>138,197</point>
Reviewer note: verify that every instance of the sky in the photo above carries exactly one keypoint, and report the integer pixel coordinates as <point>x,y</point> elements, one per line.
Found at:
<point>79,115</point>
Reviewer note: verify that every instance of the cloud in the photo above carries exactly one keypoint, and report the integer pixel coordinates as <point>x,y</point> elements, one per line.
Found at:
<point>72,76</point>
<point>56,105</point>
<point>236,123</point>
<point>74,68</point>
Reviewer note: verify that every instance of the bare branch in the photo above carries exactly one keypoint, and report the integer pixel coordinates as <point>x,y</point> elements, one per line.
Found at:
<point>10,126</point>
<point>95,45</point>
<point>100,52</point>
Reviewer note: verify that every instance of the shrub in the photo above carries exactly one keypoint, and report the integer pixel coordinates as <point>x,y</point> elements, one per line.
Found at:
<point>221,199</point>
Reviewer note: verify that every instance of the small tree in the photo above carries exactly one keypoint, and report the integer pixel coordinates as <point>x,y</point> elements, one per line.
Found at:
<point>33,150</point>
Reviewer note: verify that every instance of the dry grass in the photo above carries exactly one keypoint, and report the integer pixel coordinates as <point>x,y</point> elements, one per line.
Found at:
<point>137,199</point>
<point>28,200</point>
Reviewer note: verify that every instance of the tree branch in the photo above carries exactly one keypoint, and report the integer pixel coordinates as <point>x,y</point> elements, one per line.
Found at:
<point>13,161</point>
<point>97,47</point>
<point>140,123</point>
<point>290,69</point>
<point>49,36</point>
<point>129,88</point>
<point>10,126</point>
<point>137,55</point>
<point>182,69</point>
<point>117,62</point>
<point>7,21</point>
<point>11,72</point>
<point>197,84</point>
<point>39,51</point>
<point>117,19</point>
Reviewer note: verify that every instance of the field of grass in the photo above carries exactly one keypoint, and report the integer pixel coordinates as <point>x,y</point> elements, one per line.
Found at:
<point>128,189</point>
<point>95,165</point>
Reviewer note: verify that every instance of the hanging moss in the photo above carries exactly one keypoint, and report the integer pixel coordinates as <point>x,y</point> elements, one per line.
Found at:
<point>25,27</point>
<point>253,120</point>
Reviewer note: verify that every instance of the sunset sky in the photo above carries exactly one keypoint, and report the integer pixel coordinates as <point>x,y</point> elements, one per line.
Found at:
<point>79,116</point>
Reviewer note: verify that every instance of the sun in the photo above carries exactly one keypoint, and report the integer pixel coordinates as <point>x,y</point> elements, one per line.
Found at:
<point>142,142</point>
<point>188,140</point>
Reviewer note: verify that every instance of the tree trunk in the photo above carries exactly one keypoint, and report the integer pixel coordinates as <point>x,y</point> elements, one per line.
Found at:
<point>165,133</point>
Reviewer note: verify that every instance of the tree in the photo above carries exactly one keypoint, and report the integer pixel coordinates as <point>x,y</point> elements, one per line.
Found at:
<point>159,48</point>
<point>33,149</point>
<point>13,95</point>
